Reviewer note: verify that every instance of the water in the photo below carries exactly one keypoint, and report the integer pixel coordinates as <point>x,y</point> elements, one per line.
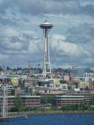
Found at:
<point>65,119</point>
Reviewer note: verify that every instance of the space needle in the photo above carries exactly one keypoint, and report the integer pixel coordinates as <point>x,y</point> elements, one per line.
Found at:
<point>46,26</point>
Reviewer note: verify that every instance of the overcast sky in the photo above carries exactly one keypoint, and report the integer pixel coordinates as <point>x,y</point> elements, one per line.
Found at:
<point>71,40</point>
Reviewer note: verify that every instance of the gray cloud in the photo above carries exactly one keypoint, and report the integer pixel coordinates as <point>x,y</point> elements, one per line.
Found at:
<point>83,33</point>
<point>38,7</point>
<point>13,41</point>
<point>21,40</point>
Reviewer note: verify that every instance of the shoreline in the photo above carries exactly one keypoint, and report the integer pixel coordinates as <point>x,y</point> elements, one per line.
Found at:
<point>49,113</point>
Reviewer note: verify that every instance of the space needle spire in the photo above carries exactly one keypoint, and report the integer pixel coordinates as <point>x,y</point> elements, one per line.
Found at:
<point>46,26</point>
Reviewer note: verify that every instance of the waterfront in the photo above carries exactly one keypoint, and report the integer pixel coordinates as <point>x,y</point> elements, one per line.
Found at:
<point>55,119</point>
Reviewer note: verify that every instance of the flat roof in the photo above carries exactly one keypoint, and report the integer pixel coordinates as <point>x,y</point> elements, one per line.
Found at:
<point>69,96</point>
<point>27,96</point>
<point>8,76</point>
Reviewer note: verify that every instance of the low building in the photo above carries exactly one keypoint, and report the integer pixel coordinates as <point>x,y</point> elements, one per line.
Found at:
<point>83,84</point>
<point>28,101</point>
<point>31,101</point>
<point>13,79</point>
<point>91,85</point>
<point>62,100</point>
<point>87,94</point>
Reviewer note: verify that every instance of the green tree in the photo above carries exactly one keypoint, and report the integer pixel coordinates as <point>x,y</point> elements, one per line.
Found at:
<point>62,81</point>
<point>18,104</point>
<point>21,84</point>
<point>46,99</point>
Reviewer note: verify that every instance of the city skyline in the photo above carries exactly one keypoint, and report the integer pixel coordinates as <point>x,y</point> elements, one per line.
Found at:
<point>71,40</point>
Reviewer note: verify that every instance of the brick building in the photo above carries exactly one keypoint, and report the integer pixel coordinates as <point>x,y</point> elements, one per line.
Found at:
<point>62,100</point>
<point>28,101</point>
